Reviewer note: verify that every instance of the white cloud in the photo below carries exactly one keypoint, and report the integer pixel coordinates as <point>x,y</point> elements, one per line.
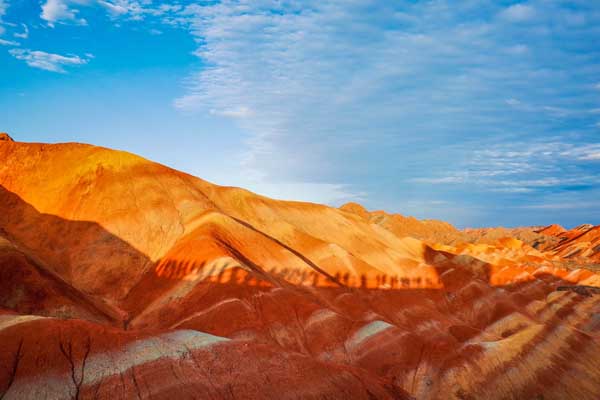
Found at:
<point>513,189</point>
<point>114,9</point>
<point>441,180</point>
<point>518,49</point>
<point>518,13</point>
<point>8,43</point>
<point>54,11</point>
<point>516,185</point>
<point>591,156</point>
<point>589,152</point>
<point>138,10</point>
<point>238,112</point>
<point>188,102</point>
<point>24,34</point>
<point>47,61</point>
<point>566,205</point>
<point>67,11</point>
<point>542,159</point>
<point>524,167</point>
<point>3,8</point>
<point>322,193</point>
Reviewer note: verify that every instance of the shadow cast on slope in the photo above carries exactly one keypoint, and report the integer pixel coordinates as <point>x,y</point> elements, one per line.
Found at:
<point>460,282</point>
<point>65,256</point>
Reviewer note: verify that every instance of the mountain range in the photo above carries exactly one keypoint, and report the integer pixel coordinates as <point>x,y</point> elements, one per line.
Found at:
<point>123,278</point>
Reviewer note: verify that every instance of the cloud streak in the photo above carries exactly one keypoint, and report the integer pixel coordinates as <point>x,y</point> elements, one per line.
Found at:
<point>4,42</point>
<point>3,8</point>
<point>68,11</point>
<point>518,13</point>
<point>547,166</point>
<point>24,34</point>
<point>47,61</point>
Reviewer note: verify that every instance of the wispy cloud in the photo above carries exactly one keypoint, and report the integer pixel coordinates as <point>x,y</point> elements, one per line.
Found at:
<point>24,34</point>
<point>518,49</point>
<point>389,87</point>
<point>47,61</point>
<point>115,8</point>
<point>590,152</point>
<point>68,11</point>
<point>446,179</point>
<point>4,42</point>
<point>505,168</point>
<point>239,112</point>
<point>3,8</point>
<point>518,13</point>
<point>563,205</point>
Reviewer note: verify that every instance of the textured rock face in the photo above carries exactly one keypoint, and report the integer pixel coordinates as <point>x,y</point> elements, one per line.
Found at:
<point>440,232</point>
<point>5,137</point>
<point>579,244</point>
<point>122,278</point>
<point>433,231</point>
<point>552,230</point>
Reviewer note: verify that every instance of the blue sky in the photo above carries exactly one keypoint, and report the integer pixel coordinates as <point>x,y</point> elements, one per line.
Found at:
<point>475,112</point>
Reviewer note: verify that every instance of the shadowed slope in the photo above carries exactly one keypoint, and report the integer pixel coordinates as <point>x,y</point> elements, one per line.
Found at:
<point>28,288</point>
<point>36,253</point>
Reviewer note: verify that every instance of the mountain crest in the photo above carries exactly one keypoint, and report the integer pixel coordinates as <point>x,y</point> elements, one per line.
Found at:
<point>5,137</point>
